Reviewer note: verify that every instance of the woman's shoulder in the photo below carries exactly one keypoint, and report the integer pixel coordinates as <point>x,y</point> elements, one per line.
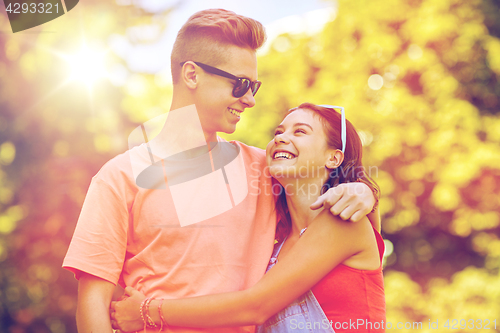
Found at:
<point>348,227</point>
<point>358,236</point>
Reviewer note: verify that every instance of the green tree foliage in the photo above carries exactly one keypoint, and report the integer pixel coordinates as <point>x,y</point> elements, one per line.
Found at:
<point>418,78</point>
<point>55,134</point>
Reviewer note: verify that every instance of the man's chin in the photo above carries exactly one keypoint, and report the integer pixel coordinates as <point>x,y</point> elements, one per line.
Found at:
<point>229,129</point>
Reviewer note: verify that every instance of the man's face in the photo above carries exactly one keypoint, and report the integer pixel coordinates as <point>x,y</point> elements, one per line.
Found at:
<point>218,109</point>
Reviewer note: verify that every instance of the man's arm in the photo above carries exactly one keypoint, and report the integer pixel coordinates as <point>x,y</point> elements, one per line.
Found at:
<point>94,298</point>
<point>350,201</point>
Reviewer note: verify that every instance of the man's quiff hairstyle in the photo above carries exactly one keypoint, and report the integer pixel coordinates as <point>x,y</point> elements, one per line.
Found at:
<point>207,34</point>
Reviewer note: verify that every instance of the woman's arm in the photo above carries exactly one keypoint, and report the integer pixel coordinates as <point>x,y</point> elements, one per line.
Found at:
<point>328,242</point>
<point>374,218</point>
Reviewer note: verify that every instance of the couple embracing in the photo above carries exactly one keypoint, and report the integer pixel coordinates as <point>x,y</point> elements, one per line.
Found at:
<point>271,261</point>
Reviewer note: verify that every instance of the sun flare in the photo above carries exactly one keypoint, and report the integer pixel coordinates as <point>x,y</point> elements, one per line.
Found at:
<point>87,65</point>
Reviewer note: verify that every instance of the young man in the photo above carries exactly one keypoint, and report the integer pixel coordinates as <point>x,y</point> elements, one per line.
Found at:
<point>135,231</point>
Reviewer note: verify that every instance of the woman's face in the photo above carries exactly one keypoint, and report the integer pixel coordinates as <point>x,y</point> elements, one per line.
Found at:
<point>299,148</point>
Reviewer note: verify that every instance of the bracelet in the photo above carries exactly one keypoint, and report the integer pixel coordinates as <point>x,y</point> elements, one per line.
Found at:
<point>141,310</point>
<point>151,323</point>
<point>162,319</point>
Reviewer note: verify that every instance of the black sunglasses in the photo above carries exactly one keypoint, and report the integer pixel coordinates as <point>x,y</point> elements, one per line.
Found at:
<point>241,85</point>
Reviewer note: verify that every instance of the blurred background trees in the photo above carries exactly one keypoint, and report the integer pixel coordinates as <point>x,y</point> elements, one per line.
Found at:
<point>418,78</point>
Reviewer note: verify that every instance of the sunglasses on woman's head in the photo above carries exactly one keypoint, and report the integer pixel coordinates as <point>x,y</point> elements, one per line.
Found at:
<point>343,127</point>
<point>241,85</point>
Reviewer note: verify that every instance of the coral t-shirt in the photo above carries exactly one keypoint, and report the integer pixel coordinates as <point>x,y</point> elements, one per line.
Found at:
<point>132,235</point>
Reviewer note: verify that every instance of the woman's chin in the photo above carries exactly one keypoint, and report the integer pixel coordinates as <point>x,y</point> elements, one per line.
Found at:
<point>279,171</point>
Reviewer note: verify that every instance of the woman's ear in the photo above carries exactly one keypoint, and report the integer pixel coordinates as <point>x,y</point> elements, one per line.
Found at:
<point>189,75</point>
<point>335,159</point>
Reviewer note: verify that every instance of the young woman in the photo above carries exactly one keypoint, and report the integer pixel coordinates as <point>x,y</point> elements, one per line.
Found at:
<point>327,274</point>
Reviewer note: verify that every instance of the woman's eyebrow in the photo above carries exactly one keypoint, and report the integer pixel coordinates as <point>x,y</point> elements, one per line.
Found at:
<point>303,124</point>
<point>296,125</point>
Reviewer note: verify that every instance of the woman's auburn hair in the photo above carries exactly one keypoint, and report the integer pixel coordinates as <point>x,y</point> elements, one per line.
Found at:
<point>207,34</point>
<point>351,169</point>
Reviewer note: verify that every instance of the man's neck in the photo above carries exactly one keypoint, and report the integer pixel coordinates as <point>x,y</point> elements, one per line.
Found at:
<point>182,133</point>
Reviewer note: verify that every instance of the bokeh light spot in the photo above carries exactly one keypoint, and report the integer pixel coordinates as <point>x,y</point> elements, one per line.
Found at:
<point>366,137</point>
<point>445,197</point>
<point>7,153</point>
<point>389,248</point>
<point>415,52</point>
<point>375,82</point>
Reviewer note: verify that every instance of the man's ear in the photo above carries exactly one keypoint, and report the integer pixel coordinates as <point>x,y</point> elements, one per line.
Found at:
<point>335,159</point>
<point>189,75</point>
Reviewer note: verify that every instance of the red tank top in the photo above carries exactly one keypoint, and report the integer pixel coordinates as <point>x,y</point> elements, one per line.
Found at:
<point>353,299</point>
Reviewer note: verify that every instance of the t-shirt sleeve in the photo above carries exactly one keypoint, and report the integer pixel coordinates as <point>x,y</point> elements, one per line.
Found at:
<point>99,243</point>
